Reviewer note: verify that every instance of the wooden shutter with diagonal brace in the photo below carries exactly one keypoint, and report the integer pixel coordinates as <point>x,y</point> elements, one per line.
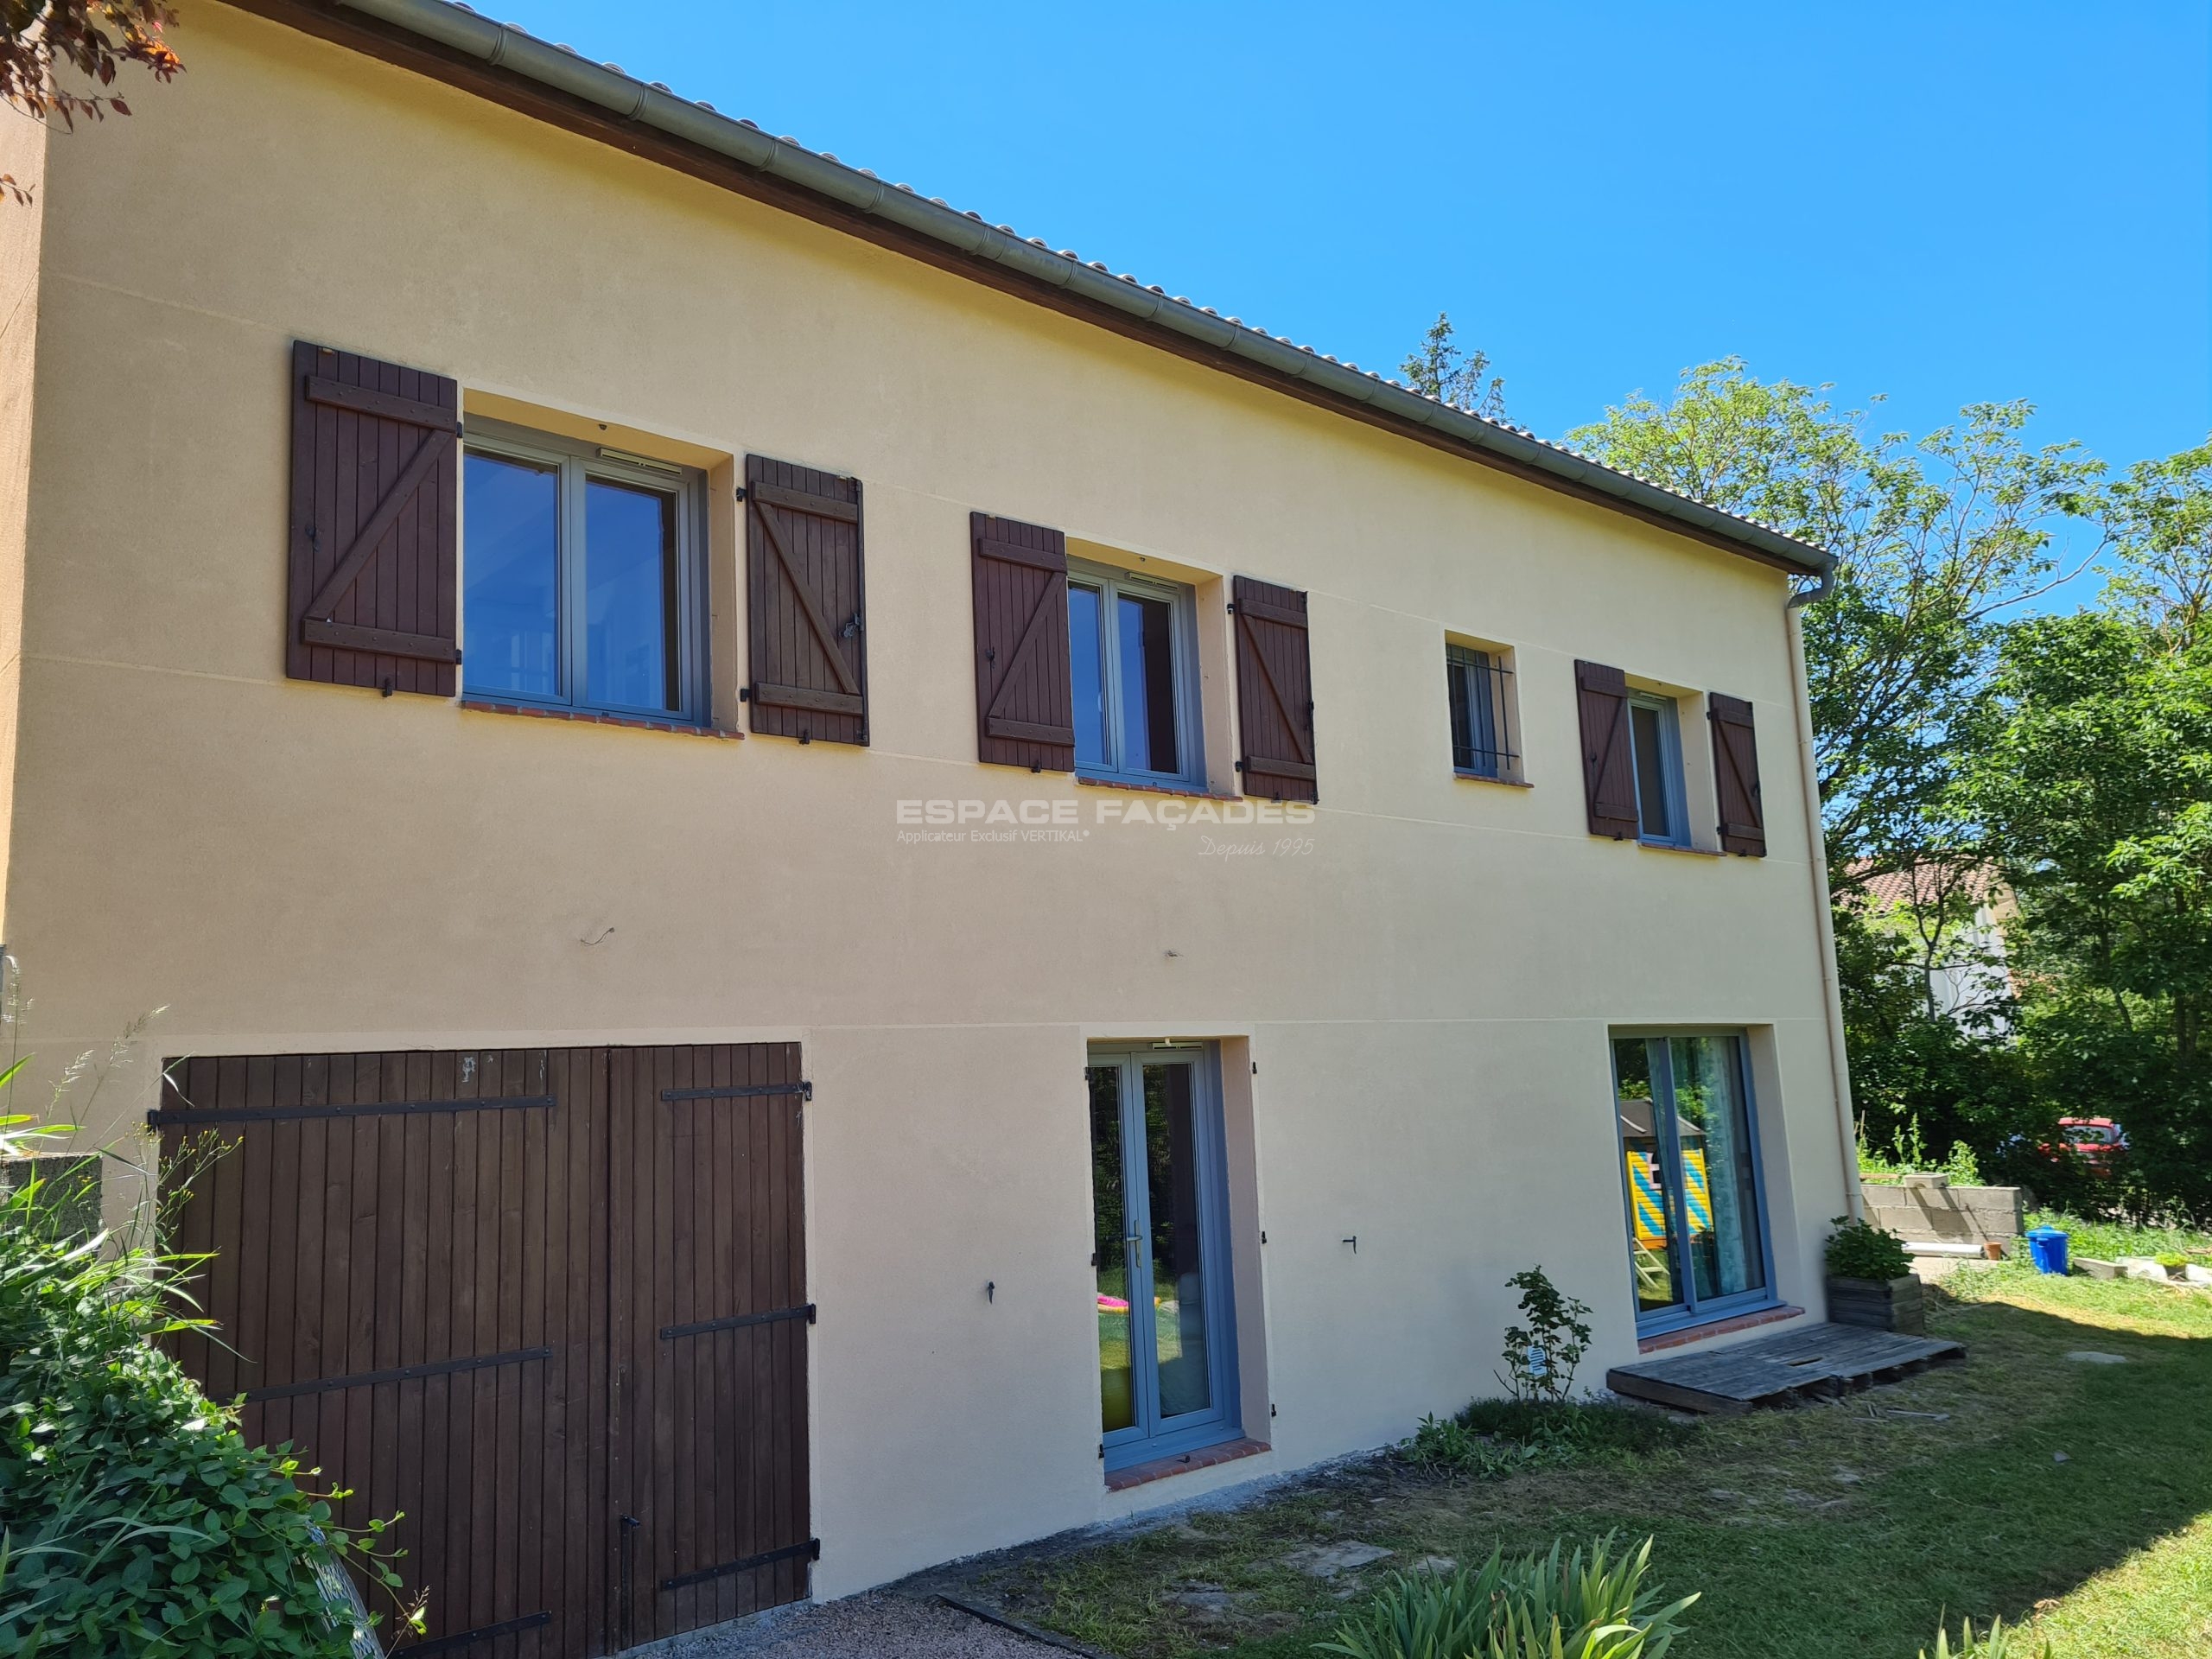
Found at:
<point>375,536</point>
<point>806,603</point>
<point>1025,713</point>
<point>1608,762</point>
<point>1736,776</point>
<point>1274,692</point>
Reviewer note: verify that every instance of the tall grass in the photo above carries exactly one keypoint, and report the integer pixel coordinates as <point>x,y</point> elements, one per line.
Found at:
<point>1593,1604</point>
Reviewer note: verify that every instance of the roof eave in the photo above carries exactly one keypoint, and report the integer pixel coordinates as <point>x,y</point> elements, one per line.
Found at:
<point>508,63</point>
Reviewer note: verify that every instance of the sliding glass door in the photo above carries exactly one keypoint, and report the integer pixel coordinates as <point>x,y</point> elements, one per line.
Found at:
<point>1165,1371</point>
<point>1689,1157</point>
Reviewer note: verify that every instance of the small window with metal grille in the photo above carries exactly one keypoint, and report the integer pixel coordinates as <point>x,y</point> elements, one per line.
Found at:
<point>1478,681</point>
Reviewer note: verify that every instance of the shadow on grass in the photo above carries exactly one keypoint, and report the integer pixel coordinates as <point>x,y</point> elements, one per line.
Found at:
<point>1845,1527</point>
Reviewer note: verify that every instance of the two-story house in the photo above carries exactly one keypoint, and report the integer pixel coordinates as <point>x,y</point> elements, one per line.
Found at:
<point>848,889</point>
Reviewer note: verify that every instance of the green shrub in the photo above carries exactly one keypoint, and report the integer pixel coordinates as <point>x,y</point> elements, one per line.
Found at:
<point>1860,1249</point>
<point>1542,1351</point>
<point>1995,1642</point>
<point>1592,1605</point>
<point>1592,1427</point>
<point>2172,1260</point>
<point>1445,1445</point>
<point>1908,1155</point>
<point>137,1522</point>
<point>1492,1438</point>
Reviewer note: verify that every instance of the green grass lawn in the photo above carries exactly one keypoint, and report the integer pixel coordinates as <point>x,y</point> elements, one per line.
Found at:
<point>2109,1241</point>
<point>2076,1496</point>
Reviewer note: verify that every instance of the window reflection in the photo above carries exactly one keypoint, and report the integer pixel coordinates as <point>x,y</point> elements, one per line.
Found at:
<point>1087,674</point>
<point>512,603</point>
<point>630,601</point>
<point>1690,1176</point>
<point>1651,1215</point>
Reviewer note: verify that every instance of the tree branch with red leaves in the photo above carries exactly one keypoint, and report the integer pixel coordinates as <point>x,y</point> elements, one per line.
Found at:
<point>42,42</point>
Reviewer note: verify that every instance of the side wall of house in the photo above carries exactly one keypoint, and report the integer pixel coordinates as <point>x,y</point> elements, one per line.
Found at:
<point>22,223</point>
<point>1419,987</point>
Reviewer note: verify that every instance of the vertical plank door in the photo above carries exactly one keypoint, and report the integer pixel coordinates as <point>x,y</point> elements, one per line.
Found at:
<point>709,1333</point>
<point>400,1278</point>
<point>548,1303</point>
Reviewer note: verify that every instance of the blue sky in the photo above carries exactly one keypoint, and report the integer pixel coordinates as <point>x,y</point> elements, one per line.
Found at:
<point>1945,202</point>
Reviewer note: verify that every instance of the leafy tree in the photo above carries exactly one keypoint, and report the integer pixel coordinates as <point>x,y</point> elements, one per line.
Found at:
<point>42,40</point>
<point>1441,369</point>
<point>1935,538</point>
<point>2160,517</point>
<point>2091,778</point>
<point>1943,1076</point>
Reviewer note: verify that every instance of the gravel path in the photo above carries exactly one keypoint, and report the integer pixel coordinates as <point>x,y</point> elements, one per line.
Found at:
<point>877,1626</point>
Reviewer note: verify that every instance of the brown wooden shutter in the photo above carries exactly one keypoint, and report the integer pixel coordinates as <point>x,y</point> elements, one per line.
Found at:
<point>1274,692</point>
<point>1025,712</point>
<point>806,602</point>
<point>1736,776</point>
<point>1608,766</point>
<point>376,530</point>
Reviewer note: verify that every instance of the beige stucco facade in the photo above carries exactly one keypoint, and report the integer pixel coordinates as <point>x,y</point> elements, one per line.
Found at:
<point>1413,1014</point>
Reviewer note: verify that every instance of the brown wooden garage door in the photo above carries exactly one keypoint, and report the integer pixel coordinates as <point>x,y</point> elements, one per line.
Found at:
<point>550,1303</point>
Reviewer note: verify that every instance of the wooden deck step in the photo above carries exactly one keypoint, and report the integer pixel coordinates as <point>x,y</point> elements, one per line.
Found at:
<point>1806,1363</point>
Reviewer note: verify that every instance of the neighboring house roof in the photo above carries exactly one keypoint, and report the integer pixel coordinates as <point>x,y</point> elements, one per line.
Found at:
<point>1928,883</point>
<point>554,83</point>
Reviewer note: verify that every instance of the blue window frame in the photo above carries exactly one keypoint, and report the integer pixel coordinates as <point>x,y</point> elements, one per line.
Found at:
<point>1132,660</point>
<point>1692,1187</point>
<point>583,578</point>
<point>1655,747</point>
<point>1167,1328</point>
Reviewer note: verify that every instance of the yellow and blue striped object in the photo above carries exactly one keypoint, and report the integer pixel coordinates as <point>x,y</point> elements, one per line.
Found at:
<point>1648,1197</point>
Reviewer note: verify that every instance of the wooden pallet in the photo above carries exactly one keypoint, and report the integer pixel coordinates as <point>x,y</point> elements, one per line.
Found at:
<point>1814,1362</point>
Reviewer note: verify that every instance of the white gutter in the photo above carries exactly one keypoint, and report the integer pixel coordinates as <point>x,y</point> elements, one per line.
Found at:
<point>1847,1128</point>
<point>503,46</point>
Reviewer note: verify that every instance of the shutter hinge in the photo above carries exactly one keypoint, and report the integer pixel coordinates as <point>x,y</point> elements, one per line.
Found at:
<point>741,491</point>
<point>745,694</point>
<point>1240,766</point>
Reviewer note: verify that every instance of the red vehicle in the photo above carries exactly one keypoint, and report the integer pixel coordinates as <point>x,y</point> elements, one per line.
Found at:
<point>2098,1141</point>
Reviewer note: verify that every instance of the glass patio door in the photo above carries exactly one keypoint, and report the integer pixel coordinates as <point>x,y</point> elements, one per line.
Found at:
<point>1690,1178</point>
<point>1164,1379</point>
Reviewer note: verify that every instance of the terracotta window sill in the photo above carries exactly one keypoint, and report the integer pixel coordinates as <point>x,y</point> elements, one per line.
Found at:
<point>590,717</point>
<point>1206,1457</point>
<point>1690,1333</point>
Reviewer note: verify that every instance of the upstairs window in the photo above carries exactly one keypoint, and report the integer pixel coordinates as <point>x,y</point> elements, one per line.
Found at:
<point>1479,687</point>
<point>1132,651</point>
<point>583,580</point>
<point>1655,744</point>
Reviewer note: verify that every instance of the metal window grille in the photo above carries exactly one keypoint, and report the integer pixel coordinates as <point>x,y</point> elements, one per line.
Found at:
<point>1480,688</point>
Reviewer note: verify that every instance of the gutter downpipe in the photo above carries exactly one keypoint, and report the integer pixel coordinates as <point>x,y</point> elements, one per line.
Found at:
<point>1824,921</point>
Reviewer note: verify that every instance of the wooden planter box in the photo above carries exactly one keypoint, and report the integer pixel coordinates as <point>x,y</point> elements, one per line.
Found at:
<point>1893,1305</point>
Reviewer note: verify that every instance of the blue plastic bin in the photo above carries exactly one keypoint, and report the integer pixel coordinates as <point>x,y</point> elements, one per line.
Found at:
<point>2047,1249</point>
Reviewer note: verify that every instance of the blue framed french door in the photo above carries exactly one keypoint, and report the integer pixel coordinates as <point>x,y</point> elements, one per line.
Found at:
<point>1691,1178</point>
<point>1167,1362</point>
